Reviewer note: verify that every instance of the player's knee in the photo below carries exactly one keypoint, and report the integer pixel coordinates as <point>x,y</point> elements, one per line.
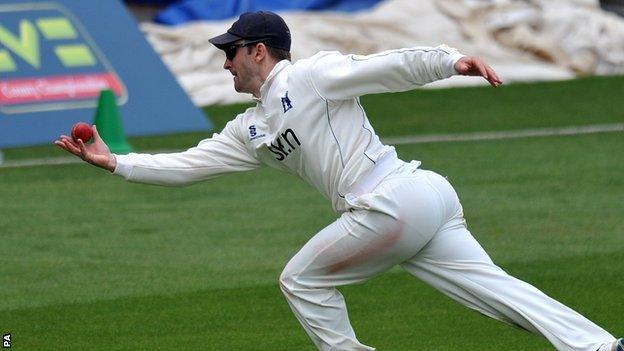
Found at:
<point>287,281</point>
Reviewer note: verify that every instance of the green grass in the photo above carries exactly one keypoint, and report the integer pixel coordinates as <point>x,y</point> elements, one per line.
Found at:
<point>92,262</point>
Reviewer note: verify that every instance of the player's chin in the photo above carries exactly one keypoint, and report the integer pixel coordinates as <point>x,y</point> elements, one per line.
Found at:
<point>238,87</point>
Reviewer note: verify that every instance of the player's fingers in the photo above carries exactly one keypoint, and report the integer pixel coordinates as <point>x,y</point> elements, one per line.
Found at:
<point>69,147</point>
<point>83,150</point>
<point>96,135</point>
<point>498,79</point>
<point>69,142</point>
<point>482,71</point>
<point>491,80</point>
<point>60,144</point>
<point>59,141</point>
<point>494,79</point>
<point>487,73</point>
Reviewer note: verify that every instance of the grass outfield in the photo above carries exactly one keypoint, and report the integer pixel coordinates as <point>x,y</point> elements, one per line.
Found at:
<point>91,262</point>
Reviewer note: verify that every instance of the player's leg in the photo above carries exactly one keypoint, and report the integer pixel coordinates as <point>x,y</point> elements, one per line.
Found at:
<point>310,279</point>
<point>455,263</point>
<point>359,245</point>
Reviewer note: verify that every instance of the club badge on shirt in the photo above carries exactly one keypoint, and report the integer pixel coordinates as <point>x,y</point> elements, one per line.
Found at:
<point>286,103</point>
<point>253,133</point>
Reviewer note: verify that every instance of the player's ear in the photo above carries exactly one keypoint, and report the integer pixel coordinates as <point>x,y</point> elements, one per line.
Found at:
<point>261,52</point>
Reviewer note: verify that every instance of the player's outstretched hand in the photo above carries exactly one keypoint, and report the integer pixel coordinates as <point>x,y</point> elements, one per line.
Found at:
<point>474,66</point>
<point>96,153</point>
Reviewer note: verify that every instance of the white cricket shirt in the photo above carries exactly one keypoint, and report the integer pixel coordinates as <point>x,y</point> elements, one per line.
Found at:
<point>307,121</point>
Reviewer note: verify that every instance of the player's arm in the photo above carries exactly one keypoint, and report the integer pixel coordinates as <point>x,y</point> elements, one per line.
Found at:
<point>221,154</point>
<point>336,76</point>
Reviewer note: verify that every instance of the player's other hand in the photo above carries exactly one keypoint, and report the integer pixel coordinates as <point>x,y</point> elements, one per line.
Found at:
<point>96,153</point>
<point>474,66</point>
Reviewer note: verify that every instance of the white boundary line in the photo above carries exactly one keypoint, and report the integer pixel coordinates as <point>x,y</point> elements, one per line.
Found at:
<point>512,134</point>
<point>410,139</point>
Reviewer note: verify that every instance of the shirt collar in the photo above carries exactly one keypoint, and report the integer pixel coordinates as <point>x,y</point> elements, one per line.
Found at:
<point>264,89</point>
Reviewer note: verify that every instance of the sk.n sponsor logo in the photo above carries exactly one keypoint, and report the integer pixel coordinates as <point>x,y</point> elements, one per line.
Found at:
<point>48,61</point>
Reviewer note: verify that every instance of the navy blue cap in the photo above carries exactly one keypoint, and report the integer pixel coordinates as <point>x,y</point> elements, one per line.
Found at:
<point>255,26</point>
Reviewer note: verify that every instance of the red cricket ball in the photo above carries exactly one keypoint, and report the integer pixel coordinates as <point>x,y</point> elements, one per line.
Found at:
<point>82,131</point>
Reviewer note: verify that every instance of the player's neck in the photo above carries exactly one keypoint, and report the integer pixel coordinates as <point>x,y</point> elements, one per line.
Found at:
<point>264,71</point>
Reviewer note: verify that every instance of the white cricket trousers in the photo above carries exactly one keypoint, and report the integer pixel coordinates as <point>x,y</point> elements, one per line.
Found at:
<point>413,218</point>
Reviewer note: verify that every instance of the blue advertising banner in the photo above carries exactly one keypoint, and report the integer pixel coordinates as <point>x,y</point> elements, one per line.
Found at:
<point>56,57</point>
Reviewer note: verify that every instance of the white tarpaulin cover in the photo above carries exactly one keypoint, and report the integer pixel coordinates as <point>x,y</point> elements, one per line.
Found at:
<point>523,40</point>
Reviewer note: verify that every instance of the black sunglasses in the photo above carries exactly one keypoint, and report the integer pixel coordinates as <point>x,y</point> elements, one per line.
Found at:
<point>230,51</point>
